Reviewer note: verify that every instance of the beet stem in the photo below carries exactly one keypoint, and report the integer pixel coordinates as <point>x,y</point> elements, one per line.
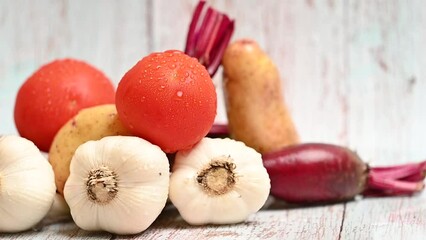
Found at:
<point>209,34</point>
<point>386,168</point>
<point>192,36</point>
<point>219,50</point>
<point>416,177</point>
<point>398,172</point>
<point>387,184</point>
<point>403,179</point>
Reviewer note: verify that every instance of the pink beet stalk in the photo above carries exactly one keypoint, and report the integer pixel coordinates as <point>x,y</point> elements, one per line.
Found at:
<point>209,33</point>
<point>396,180</point>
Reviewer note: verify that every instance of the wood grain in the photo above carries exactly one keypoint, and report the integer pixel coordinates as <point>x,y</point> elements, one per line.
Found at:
<point>111,35</point>
<point>386,218</point>
<point>386,81</point>
<point>277,222</point>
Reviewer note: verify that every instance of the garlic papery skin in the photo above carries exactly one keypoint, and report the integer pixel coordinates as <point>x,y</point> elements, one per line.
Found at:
<point>117,184</point>
<point>218,181</point>
<point>27,184</point>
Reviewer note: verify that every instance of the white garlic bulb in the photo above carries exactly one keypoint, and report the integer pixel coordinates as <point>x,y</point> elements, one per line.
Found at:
<point>27,185</point>
<point>219,181</point>
<point>117,184</point>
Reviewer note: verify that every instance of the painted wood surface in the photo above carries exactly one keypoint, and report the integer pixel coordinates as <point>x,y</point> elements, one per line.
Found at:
<point>352,70</point>
<point>385,218</point>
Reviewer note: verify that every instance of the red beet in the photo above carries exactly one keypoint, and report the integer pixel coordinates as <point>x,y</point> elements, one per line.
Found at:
<point>315,172</point>
<point>218,131</point>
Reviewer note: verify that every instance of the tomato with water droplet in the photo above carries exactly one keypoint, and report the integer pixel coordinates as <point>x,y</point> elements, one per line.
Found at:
<point>168,118</point>
<point>54,94</point>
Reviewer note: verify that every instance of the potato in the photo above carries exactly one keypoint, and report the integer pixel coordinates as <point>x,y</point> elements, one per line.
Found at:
<point>257,113</point>
<point>91,123</point>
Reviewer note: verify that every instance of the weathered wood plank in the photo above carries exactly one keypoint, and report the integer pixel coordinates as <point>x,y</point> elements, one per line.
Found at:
<point>302,223</point>
<point>386,218</point>
<point>111,35</point>
<point>277,222</point>
<point>379,218</point>
<point>387,81</point>
<point>62,230</point>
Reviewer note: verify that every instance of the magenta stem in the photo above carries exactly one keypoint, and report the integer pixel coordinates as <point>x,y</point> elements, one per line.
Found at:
<point>397,172</point>
<point>404,179</point>
<point>394,185</point>
<point>209,34</point>
<point>386,168</point>
<point>192,36</point>
<point>416,177</point>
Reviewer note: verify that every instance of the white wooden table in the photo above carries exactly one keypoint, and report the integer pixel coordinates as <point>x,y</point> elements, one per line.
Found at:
<point>353,74</point>
<point>372,218</point>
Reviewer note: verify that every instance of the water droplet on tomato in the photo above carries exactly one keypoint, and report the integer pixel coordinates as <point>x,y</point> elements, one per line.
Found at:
<point>172,66</point>
<point>143,99</point>
<point>179,93</point>
<point>162,87</point>
<point>158,67</point>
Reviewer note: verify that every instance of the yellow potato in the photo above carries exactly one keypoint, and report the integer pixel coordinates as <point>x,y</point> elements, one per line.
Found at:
<point>257,113</point>
<point>91,123</point>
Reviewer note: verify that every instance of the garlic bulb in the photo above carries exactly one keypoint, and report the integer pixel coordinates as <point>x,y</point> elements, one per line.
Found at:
<point>219,181</point>
<point>117,184</point>
<point>27,184</point>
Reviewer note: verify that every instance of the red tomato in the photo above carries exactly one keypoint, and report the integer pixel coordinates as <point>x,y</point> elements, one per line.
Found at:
<point>168,99</point>
<point>54,94</point>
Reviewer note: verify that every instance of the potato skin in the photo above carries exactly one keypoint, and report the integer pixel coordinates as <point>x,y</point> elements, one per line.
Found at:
<point>257,113</point>
<point>91,123</point>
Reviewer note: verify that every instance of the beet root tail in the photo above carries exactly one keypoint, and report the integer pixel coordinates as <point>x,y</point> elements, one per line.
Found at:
<point>406,179</point>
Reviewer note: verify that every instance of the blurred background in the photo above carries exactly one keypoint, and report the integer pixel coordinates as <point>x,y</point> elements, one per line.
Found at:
<point>353,71</point>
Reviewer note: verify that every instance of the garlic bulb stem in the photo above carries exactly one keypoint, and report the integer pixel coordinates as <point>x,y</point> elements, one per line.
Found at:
<point>218,177</point>
<point>102,185</point>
